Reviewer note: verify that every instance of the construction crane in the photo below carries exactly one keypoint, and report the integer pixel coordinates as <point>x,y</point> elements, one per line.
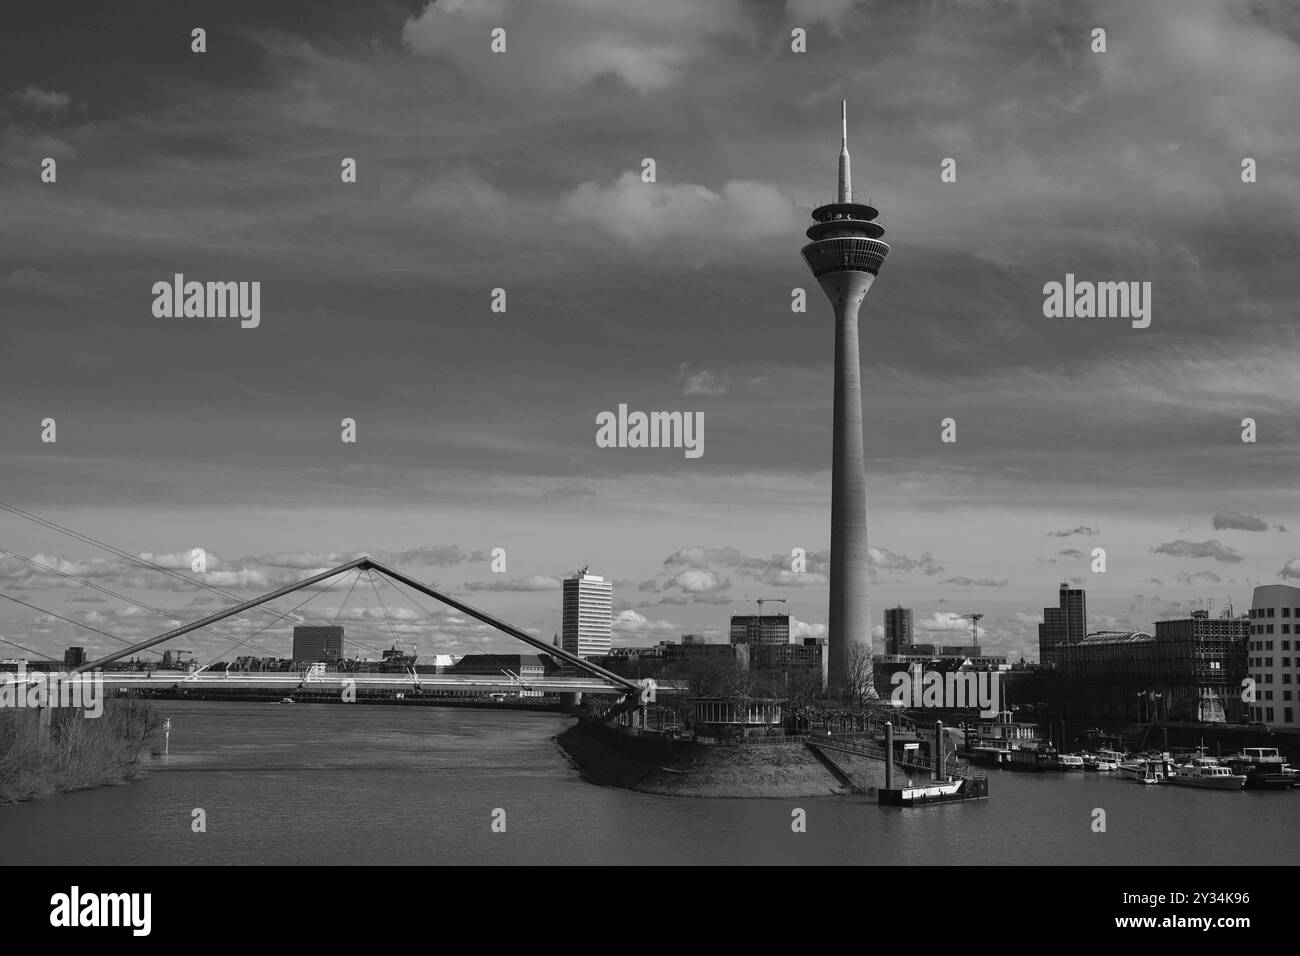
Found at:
<point>974,625</point>
<point>761,601</point>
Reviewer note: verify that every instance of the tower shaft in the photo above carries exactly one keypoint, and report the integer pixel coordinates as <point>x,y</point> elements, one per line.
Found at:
<point>845,254</point>
<point>849,622</point>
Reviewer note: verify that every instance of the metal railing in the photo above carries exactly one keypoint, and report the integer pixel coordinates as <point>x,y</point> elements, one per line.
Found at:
<point>857,744</point>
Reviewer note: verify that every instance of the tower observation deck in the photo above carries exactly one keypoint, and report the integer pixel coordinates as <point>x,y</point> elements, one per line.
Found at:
<point>845,255</point>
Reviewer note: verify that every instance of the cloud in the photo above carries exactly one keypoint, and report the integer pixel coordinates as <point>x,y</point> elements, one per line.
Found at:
<point>632,623</point>
<point>1241,522</point>
<point>696,581</point>
<point>534,582</point>
<point>832,13</point>
<point>1078,529</point>
<point>976,582</point>
<point>1291,569</point>
<point>710,223</point>
<point>465,195</point>
<point>43,101</point>
<point>569,492</point>
<point>773,571</point>
<point>1199,577</point>
<point>295,560</point>
<point>560,46</point>
<point>944,621</point>
<point>701,381</point>
<point>1074,553</point>
<point>1203,549</point>
<point>882,559</point>
<point>441,555</point>
<point>799,630</point>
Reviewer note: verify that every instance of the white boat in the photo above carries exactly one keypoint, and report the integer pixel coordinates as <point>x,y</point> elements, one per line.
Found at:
<point>1143,770</point>
<point>1207,773</point>
<point>1070,762</point>
<point>1099,763</point>
<point>287,700</point>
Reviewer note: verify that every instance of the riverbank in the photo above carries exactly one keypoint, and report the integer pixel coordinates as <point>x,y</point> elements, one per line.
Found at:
<point>77,753</point>
<point>679,769</point>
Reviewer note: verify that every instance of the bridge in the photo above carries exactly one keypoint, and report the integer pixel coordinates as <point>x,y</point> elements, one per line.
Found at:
<point>581,676</point>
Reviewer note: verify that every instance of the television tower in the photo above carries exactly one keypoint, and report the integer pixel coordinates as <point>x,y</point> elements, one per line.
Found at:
<point>844,255</point>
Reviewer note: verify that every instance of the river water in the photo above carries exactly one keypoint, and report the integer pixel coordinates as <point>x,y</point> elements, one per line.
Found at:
<point>329,784</point>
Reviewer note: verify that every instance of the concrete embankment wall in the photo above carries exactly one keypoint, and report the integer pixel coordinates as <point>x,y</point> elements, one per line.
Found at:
<point>650,764</point>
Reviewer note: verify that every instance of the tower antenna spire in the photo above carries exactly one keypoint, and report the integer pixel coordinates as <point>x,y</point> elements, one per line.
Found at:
<point>846,177</point>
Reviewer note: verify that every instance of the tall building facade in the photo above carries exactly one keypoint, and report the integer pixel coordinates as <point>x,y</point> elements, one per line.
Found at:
<point>845,255</point>
<point>1067,623</point>
<point>587,619</point>
<point>1273,655</point>
<point>74,657</point>
<point>315,644</point>
<point>760,629</point>
<point>1190,669</point>
<point>898,629</point>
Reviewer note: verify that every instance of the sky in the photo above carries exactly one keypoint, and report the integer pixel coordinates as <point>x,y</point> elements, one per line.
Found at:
<point>522,170</point>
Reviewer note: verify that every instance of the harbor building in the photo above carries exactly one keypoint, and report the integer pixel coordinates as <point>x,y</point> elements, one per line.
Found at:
<point>313,644</point>
<point>587,617</point>
<point>760,629</point>
<point>845,254</point>
<point>1273,655</point>
<point>898,629</point>
<point>1065,624</point>
<point>1190,669</point>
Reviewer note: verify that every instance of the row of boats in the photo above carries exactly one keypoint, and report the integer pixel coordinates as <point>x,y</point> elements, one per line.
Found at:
<point>1255,768</point>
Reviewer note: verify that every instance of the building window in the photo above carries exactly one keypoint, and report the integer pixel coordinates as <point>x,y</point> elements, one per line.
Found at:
<point>1286,646</point>
<point>1286,612</point>
<point>1270,612</point>
<point>1269,711</point>
<point>1286,711</point>
<point>1268,645</point>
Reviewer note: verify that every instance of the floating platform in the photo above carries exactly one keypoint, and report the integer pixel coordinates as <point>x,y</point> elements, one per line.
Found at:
<point>966,789</point>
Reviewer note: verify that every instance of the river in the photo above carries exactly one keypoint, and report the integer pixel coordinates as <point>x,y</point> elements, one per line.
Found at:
<point>334,784</point>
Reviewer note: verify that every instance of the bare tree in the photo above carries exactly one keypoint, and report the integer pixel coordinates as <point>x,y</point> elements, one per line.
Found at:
<point>859,687</point>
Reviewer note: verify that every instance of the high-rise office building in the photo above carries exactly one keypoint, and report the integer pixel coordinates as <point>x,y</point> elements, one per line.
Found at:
<point>74,657</point>
<point>587,621</point>
<point>760,629</point>
<point>1067,623</point>
<point>313,644</point>
<point>844,254</point>
<point>898,629</point>
<point>1273,655</point>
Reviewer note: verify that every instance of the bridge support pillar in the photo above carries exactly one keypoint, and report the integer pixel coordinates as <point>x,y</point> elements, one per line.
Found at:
<point>938,751</point>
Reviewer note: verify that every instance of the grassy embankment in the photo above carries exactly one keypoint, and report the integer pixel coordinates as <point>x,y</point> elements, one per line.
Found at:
<point>782,771</point>
<point>76,754</point>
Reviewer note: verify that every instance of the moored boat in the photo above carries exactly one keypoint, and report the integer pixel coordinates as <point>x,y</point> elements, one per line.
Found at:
<point>1264,768</point>
<point>1070,762</point>
<point>1144,770</point>
<point>1208,774</point>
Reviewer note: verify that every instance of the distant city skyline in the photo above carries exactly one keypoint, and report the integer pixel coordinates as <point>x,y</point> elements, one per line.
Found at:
<point>476,429</point>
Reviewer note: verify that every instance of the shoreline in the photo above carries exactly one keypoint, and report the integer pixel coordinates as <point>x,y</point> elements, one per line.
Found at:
<point>676,769</point>
<point>74,752</point>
